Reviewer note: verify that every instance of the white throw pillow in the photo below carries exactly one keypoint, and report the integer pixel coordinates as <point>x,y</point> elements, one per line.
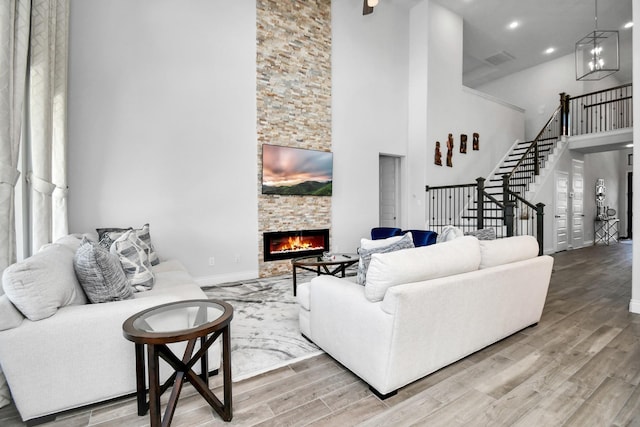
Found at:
<point>507,250</point>
<point>42,283</point>
<point>371,247</point>
<point>448,233</point>
<point>423,263</point>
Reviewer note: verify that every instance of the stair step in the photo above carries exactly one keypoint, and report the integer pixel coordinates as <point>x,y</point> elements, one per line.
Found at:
<point>500,186</point>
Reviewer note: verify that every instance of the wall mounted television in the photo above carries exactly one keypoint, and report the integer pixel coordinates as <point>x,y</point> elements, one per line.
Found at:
<point>291,171</point>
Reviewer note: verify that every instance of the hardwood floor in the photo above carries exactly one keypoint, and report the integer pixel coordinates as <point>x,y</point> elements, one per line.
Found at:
<point>580,366</point>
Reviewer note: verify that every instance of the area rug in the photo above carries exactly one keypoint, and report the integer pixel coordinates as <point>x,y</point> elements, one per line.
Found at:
<point>264,331</point>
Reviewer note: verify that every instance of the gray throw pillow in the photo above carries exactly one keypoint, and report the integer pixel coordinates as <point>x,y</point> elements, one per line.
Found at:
<point>100,273</point>
<point>482,234</point>
<point>44,282</point>
<point>405,242</point>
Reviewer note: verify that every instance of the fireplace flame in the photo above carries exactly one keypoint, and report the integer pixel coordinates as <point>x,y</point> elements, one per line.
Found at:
<point>295,244</point>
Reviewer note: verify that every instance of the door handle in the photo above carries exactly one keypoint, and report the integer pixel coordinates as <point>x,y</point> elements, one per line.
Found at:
<point>557,216</point>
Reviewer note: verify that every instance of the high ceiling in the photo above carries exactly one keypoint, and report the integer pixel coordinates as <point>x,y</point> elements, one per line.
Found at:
<point>542,24</point>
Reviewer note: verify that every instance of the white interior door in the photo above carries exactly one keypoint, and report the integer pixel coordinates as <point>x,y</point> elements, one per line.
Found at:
<point>577,204</point>
<point>389,191</point>
<point>561,208</point>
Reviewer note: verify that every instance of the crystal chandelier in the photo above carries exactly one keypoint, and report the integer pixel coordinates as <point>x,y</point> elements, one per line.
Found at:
<point>597,54</point>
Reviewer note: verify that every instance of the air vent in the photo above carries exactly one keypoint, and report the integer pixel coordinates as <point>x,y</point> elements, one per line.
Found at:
<point>500,58</point>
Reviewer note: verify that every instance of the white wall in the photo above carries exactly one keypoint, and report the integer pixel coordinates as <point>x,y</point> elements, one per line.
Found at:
<point>162,126</point>
<point>537,90</point>
<point>369,106</point>
<point>455,109</point>
<point>634,304</point>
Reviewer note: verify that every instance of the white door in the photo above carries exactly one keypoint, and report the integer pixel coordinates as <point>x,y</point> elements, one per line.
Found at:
<point>561,208</point>
<point>389,191</point>
<point>577,204</point>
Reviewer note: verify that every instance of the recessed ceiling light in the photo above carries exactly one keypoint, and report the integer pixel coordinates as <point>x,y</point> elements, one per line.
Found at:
<point>629,145</point>
<point>514,25</point>
<point>550,50</point>
<point>628,25</point>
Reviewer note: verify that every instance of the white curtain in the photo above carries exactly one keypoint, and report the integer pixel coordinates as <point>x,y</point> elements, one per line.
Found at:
<point>33,55</point>
<point>46,143</point>
<point>14,41</point>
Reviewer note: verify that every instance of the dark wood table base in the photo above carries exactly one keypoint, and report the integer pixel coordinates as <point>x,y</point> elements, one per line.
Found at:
<point>183,372</point>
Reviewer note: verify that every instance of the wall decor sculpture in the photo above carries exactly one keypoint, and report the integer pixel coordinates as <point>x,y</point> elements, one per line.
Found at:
<point>463,143</point>
<point>476,141</point>
<point>438,156</point>
<point>450,151</point>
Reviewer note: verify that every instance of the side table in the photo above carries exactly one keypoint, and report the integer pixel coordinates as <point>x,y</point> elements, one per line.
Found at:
<point>317,264</point>
<point>605,231</point>
<point>190,321</point>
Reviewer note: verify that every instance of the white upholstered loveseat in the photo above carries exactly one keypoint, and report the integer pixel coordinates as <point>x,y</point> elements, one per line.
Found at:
<point>424,308</point>
<point>78,355</point>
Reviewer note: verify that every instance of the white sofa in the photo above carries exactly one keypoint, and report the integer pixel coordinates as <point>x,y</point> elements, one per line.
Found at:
<point>424,308</point>
<point>79,356</point>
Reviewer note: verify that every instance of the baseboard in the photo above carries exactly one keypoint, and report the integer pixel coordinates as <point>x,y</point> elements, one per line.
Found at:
<point>634,306</point>
<point>225,278</point>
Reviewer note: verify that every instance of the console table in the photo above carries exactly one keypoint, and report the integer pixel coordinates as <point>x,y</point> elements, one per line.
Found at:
<point>605,231</point>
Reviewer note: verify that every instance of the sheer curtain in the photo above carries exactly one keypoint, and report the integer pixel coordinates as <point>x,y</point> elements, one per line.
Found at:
<point>46,141</point>
<point>33,79</point>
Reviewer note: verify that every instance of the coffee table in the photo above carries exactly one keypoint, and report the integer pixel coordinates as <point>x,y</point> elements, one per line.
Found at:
<point>191,321</point>
<point>320,265</point>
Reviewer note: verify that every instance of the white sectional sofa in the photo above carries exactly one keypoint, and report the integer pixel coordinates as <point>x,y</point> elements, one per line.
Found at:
<point>78,355</point>
<point>424,308</point>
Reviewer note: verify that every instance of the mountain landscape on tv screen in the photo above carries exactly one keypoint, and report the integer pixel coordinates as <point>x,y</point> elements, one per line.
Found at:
<point>307,188</point>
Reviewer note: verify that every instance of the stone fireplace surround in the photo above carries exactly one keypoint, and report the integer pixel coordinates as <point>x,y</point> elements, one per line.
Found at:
<point>293,94</point>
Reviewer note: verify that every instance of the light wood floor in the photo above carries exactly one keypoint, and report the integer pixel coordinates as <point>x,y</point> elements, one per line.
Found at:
<point>579,367</point>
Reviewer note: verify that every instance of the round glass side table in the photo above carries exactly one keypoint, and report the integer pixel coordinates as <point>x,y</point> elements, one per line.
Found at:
<point>191,321</point>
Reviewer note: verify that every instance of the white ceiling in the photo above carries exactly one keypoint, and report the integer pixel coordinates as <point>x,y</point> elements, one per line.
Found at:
<point>543,23</point>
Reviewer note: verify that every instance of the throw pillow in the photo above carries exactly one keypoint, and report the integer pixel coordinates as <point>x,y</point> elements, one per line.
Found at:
<point>145,237</point>
<point>395,243</point>
<point>44,282</point>
<point>482,234</point>
<point>507,250</point>
<point>448,233</point>
<point>100,273</point>
<point>416,265</point>
<point>107,236</point>
<point>134,260</point>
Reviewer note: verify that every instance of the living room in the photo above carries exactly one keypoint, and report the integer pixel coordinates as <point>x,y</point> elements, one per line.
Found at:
<point>211,78</point>
<point>164,122</point>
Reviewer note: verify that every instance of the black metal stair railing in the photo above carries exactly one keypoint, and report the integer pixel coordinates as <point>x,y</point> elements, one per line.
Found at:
<point>601,111</point>
<point>454,205</point>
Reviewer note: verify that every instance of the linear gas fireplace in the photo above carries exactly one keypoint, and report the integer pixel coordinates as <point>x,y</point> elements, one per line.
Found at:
<point>292,244</point>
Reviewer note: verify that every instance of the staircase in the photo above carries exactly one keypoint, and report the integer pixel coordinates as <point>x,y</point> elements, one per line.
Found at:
<point>501,202</point>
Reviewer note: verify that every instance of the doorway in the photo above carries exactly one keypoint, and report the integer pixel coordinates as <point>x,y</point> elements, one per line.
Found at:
<point>561,208</point>
<point>577,204</point>
<point>389,197</point>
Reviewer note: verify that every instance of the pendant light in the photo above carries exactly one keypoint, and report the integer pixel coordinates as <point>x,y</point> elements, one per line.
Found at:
<point>597,53</point>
